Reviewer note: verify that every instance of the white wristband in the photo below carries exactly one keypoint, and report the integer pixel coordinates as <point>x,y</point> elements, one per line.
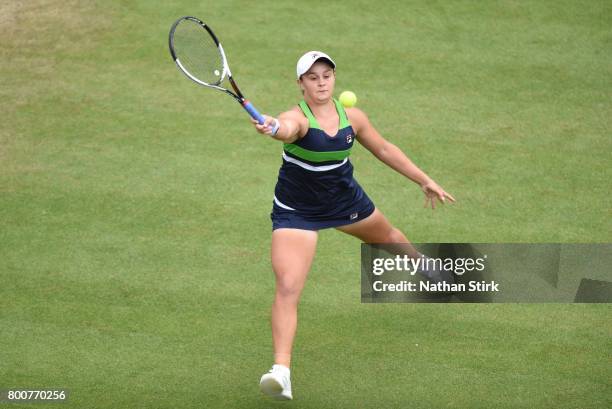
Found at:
<point>276,126</point>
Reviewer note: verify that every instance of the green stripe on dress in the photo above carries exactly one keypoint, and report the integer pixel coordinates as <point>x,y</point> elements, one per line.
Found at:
<point>316,156</point>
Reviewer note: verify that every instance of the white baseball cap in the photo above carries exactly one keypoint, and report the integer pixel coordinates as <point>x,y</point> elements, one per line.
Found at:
<point>306,61</point>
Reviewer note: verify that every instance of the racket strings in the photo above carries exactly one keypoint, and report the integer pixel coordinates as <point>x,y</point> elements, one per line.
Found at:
<point>198,53</point>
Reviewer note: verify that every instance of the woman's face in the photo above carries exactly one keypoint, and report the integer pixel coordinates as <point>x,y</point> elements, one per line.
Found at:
<point>318,82</point>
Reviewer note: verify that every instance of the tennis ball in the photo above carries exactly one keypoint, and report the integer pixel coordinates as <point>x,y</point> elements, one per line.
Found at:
<point>348,99</point>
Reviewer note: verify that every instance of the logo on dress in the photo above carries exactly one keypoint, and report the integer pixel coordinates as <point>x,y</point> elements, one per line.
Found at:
<point>354,216</point>
<point>349,138</point>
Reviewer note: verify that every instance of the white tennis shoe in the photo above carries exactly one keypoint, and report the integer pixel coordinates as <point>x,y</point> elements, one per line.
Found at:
<point>277,383</point>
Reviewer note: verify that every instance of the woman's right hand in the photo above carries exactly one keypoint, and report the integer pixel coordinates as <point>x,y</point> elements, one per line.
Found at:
<point>269,127</point>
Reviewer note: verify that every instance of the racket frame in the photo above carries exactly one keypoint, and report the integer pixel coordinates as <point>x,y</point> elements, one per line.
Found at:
<point>237,95</point>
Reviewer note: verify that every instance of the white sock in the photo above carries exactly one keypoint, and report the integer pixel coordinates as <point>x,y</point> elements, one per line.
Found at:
<point>281,367</point>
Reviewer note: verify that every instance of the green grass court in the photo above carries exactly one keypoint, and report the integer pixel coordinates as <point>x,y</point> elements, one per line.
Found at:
<point>134,205</point>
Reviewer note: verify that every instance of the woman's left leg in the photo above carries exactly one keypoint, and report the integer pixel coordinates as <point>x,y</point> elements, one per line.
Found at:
<point>375,229</point>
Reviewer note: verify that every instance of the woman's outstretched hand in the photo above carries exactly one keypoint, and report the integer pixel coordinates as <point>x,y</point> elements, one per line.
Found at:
<point>432,192</point>
<point>269,127</point>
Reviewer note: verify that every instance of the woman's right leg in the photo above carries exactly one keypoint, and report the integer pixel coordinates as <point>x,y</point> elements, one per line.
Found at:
<point>292,253</point>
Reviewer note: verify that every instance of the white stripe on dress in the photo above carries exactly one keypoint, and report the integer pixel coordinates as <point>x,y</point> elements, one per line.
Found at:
<point>313,168</point>
<point>281,204</point>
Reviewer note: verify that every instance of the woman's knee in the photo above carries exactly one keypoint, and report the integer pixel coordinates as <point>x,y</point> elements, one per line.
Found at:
<point>289,284</point>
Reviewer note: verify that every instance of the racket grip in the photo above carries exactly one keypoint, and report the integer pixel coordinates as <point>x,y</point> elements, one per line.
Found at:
<point>253,112</point>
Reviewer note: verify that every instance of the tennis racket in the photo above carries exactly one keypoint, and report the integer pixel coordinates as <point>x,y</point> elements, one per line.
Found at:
<point>199,55</point>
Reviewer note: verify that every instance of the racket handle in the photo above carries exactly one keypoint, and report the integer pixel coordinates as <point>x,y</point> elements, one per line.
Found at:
<point>252,111</point>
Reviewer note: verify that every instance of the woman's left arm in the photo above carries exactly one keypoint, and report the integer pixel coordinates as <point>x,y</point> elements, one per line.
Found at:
<point>393,157</point>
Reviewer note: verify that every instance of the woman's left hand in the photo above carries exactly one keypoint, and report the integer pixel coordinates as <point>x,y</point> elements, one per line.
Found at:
<point>432,192</point>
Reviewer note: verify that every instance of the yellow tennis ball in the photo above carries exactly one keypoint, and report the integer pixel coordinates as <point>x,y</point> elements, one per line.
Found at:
<point>348,99</point>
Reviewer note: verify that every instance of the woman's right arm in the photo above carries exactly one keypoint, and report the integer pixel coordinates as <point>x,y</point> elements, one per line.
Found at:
<point>292,126</point>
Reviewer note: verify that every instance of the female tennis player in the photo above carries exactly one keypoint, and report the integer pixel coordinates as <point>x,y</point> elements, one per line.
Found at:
<point>316,190</point>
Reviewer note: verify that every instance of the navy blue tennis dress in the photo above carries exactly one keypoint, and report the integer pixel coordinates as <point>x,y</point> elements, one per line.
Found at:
<point>316,188</point>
